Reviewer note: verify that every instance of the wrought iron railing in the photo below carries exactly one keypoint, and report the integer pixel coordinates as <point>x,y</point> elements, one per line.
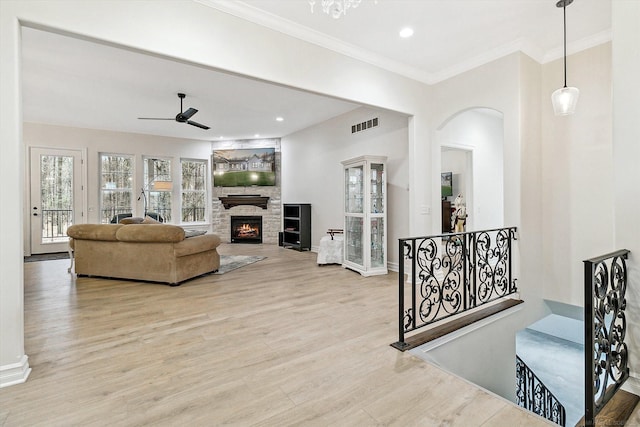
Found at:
<point>605,325</point>
<point>55,223</point>
<point>533,395</point>
<point>452,273</point>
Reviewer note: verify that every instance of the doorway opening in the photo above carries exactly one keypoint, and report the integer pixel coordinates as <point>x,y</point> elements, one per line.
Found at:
<point>472,150</point>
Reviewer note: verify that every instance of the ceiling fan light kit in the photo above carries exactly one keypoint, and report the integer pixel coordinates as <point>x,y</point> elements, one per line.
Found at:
<point>182,116</point>
<point>564,100</point>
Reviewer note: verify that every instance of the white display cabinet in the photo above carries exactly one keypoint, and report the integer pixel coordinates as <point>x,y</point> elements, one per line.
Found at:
<point>365,215</point>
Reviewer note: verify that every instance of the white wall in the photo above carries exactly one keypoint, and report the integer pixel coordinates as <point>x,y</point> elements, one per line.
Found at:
<point>96,142</point>
<point>482,133</point>
<point>577,166</point>
<point>626,153</point>
<point>312,172</point>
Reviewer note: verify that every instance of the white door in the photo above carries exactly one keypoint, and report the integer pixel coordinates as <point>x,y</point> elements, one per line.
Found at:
<point>56,197</point>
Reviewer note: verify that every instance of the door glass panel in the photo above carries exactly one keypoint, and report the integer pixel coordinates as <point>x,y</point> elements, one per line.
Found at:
<point>353,240</point>
<point>56,197</point>
<point>377,188</point>
<point>377,242</point>
<point>354,189</point>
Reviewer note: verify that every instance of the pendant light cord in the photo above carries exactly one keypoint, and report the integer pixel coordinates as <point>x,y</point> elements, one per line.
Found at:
<point>564,13</point>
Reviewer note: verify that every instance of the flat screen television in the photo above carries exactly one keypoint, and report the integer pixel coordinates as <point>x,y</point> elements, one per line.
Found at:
<point>446,184</point>
<point>244,167</point>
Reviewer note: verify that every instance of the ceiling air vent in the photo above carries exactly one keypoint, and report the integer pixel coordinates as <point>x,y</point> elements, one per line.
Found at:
<point>371,123</point>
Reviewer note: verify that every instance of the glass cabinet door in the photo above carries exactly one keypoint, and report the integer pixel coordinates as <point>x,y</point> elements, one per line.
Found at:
<point>354,185</point>
<point>377,187</point>
<point>353,240</point>
<point>377,242</point>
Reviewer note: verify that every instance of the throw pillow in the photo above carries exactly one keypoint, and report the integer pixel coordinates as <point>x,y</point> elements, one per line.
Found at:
<point>149,220</point>
<point>192,233</point>
<point>132,220</point>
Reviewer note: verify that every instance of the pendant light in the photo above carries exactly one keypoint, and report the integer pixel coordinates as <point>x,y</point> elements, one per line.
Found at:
<point>565,99</point>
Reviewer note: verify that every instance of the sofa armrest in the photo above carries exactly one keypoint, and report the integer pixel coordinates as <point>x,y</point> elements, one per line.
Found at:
<point>196,244</point>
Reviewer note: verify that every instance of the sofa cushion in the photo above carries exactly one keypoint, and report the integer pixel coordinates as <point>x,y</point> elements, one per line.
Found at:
<point>94,231</point>
<point>148,233</point>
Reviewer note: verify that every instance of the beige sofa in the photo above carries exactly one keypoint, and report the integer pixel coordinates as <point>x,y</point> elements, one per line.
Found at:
<point>150,252</point>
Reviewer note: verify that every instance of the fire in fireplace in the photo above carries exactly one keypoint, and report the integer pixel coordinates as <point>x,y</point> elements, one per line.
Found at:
<point>246,229</point>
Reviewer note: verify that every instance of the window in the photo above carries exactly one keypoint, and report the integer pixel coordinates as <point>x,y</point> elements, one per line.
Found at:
<point>116,192</point>
<point>194,190</point>
<point>158,186</point>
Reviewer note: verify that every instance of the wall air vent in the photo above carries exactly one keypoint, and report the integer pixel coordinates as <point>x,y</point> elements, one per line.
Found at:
<point>371,123</point>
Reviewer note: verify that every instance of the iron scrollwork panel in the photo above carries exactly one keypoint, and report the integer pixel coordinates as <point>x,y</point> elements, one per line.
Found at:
<point>491,265</point>
<point>610,358</point>
<point>440,276</point>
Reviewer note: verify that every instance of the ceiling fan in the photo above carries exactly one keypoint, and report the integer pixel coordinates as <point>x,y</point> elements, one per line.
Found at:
<point>182,116</point>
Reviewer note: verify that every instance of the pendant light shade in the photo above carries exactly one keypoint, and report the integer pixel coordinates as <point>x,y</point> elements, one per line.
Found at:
<point>564,100</point>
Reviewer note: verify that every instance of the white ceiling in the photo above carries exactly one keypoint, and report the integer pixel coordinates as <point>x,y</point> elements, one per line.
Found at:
<point>74,82</point>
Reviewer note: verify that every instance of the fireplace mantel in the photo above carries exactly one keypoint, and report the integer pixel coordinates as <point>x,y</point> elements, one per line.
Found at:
<point>244,199</point>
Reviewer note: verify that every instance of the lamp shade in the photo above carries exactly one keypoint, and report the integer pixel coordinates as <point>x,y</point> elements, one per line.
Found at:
<point>162,185</point>
<point>564,100</point>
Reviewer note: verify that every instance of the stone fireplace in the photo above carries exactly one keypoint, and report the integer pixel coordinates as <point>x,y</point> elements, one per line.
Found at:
<point>246,229</point>
<point>254,201</point>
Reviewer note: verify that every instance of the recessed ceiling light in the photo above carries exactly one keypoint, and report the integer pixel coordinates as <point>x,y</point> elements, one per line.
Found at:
<point>279,119</point>
<point>406,32</point>
<point>257,135</point>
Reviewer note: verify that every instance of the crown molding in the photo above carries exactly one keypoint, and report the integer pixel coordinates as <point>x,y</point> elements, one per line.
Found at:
<point>577,46</point>
<point>519,45</point>
<point>293,29</point>
<point>250,13</point>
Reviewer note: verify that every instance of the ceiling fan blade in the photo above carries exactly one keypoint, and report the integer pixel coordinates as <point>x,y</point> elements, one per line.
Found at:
<point>153,118</point>
<point>190,112</point>
<point>201,126</point>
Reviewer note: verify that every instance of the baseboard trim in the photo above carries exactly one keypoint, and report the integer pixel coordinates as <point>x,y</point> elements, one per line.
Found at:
<point>15,373</point>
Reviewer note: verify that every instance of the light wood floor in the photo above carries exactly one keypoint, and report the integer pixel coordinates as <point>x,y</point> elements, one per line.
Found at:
<point>279,342</point>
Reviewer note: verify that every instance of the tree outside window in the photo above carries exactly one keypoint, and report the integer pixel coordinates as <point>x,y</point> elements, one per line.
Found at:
<point>194,190</point>
<point>116,180</point>
<point>158,187</point>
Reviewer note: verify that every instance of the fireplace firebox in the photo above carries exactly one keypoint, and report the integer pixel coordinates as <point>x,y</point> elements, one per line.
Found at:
<point>246,229</point>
